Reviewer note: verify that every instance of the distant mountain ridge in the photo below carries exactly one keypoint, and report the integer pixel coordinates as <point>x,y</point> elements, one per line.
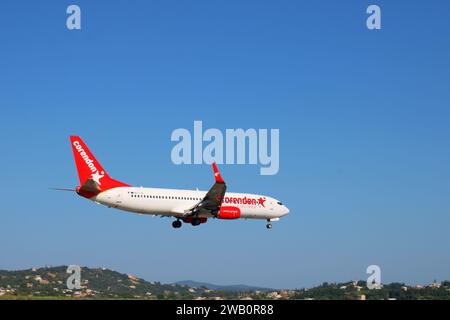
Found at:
<point>231,288</point>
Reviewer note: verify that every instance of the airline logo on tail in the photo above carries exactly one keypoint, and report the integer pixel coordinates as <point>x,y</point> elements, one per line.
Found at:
<point>96,176</point>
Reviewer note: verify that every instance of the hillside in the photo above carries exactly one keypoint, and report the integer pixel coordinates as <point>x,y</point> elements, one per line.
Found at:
<point>357,290</point>
<point>95,283</point>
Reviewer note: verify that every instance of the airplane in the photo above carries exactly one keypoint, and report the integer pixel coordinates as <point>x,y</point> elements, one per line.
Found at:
<point>189,206</point>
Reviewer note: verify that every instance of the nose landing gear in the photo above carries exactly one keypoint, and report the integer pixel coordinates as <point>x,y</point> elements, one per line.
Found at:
<point>176,224</point>
<point>268,225</point>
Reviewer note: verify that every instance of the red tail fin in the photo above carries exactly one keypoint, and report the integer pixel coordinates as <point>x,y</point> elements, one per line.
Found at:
<point>90,169</point>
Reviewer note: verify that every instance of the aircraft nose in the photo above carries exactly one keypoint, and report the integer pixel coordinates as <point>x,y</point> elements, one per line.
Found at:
<point>284,211</point>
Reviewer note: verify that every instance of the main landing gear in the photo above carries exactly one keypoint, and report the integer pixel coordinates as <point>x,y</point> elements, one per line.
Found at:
<point>176,224</point>
<point>268,225</point>
<point>195,221</point>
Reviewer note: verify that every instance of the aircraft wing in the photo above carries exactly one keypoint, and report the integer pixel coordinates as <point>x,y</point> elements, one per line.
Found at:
<point>212,201</point>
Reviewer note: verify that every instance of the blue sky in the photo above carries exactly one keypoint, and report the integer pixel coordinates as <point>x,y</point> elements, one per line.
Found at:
<point>364,130</point>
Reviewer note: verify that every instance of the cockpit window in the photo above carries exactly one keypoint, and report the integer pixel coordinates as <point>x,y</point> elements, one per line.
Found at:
<point>279,203</point>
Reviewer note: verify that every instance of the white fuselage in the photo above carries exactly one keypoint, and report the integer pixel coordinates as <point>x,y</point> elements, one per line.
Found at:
<point>174,202</point>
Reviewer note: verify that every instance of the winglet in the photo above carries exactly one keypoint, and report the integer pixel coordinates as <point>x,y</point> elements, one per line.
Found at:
<point>217,175</point>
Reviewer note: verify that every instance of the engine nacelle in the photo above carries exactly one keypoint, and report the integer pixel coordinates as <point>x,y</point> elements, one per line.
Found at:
<point>227,212</point>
